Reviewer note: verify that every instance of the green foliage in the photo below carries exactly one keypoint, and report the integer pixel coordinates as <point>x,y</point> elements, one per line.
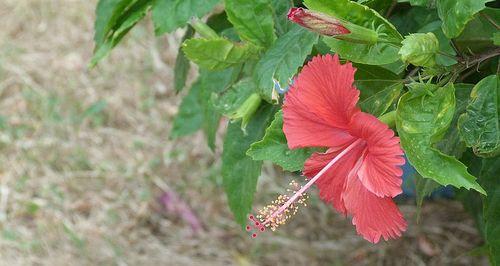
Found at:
<point>378,103</point>
<point>253,20</point>
<point>381,6</point>
<point>420,49</point>
<point>104,16</point>
<point>424,3</point>
<point>280,9</point>
<point>169,15</point>
<point>479,126</point>
<point>451,142</point>
<point>421,122</point>
<point>478,34</point>
<point>371,79</point>
<point>239,171</point>
<point>455,14</point>
<point>182,64</point>
<point>412,20</point>
<point>213,83</point>
<point>273,147</point>
<point>379,87</point>
<point>230,100</point>
<point>197,110</point>
<point>283,59</point>
<point>491,211</point>
<point>217,54</point>
<point>190,116</point>
<point>113,20</point>
<point>496,38</point>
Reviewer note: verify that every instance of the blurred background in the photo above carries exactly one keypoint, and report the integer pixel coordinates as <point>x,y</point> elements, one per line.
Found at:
<point>89,176</point>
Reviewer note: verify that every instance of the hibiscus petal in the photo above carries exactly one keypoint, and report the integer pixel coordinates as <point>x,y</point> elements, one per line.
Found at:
<point>380,171</point>
<point>309,131</point>
<point>374,217</point>
<point>320,103</point>
<point>332,183</point>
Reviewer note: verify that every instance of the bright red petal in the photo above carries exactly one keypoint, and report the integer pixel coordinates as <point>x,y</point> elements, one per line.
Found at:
<point>320,104</point>
<point>374,217</point>
<point>380,171</point>
<point>332,184</point>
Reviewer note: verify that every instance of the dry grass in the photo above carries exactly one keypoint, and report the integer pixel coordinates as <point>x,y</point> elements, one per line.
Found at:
<point>85,155</point>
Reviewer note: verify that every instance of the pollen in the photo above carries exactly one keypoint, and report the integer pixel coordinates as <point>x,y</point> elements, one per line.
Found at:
<point>280,210</point>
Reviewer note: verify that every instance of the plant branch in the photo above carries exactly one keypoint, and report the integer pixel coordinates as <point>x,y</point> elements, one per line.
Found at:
<point>487,17</point>
<point>472,60</point>
<point>455,47</point>
<point>391,8</point>
<point>468,62</point>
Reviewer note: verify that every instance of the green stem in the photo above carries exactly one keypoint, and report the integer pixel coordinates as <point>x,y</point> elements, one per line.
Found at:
<point>203,29</point>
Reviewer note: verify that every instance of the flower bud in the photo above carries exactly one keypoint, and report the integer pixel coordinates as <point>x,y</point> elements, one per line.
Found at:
<point>420,49</point>
<point>317,22</point>
<point>330,26</point>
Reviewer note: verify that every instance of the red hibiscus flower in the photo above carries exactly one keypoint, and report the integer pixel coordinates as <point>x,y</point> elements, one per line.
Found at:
<point>360,172</point>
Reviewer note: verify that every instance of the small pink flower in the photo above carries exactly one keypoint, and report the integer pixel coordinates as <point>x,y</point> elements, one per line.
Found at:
<point>317,22</point>
<point>360,172</point>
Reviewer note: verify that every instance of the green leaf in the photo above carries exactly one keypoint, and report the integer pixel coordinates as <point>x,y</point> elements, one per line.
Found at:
<point>451,143</point>
<point>491,206</point>
<point>283,59</point>
<point>197,110</point>
<point>381,6</point>
<point>125,15</point>
<point>478,33</point>
<point>421,121</point>
<point>411,20</point>
<point>190,115</point>
<point>456,13</point>
<point>420,49</point>
<point>425,3</point>
<point>169,15</point>
<point>379,88</point>
<point>217,54</point>
<point>253,20</point>
<point>423,188</point>
<point>239,171</point>
<point>218,22</point>
<point>496,38</point>
<point>228,101</point>
<point>280,9</point>
<point>373,54</point>
<point>104,13</point>
<point>182,65</point>
<point>378,103</point>
<point>274,147</point>
<point>214,83</point>
<point>479,126</point>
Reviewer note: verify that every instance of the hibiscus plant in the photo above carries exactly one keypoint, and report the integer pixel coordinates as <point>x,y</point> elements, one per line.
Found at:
<point>341,92</point>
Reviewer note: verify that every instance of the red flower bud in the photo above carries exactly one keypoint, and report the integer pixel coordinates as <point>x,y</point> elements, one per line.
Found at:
<point>317,22</point>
